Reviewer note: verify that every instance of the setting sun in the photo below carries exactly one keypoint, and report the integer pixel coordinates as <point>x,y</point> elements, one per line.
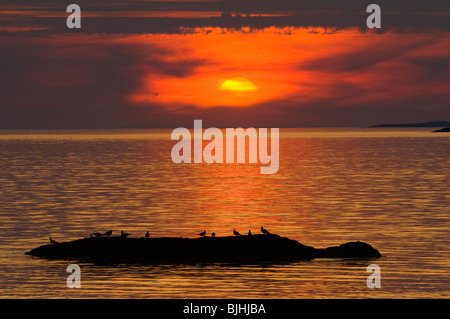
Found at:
<point>237,85</point>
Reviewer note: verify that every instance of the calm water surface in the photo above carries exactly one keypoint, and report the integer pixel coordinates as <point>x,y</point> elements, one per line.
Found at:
<point>387,187</point>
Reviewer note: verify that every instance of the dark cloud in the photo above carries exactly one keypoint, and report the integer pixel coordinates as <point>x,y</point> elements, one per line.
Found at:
<point>400,16</point>
<point>436,67</point>
<point>242,5</point>
<point>290,113</point>
<point>357,59</point>
<point>76,82</point>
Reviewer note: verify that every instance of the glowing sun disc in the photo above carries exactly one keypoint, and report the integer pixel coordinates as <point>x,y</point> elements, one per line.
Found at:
<point>237,85</point>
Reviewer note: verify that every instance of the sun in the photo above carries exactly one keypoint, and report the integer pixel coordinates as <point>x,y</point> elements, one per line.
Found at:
<point>237,86</point>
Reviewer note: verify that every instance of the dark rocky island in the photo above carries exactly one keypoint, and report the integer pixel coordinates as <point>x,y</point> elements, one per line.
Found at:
<point>425,124</point>
<point>445,129</point>
<point>238,249</point>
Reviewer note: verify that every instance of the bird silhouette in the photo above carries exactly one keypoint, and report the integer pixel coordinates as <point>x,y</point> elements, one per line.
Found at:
<point>147,234</point>
<point>235,233</point>
<point>203,233</point>
<point>96,234</point>
<point>108,233</point>
<point>123,235</point>
<point>213,234</point>
<point>264,231</point>
<point>249,232</point>
<point>53,241</point>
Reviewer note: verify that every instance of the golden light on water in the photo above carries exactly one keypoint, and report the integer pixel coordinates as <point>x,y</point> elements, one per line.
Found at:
<point>326,193</point>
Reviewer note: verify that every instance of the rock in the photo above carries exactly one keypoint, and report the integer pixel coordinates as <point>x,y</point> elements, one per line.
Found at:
<point>233,249</point>
<point>349,250</point>
<point>445,129</point>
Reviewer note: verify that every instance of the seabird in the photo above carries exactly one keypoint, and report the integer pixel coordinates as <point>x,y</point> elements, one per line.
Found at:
<point>235,233</point>
<point>53,241</point>
<point>147,234</point>
<point>97,234</point>
<point>203,233</point>
<point>264,231</point>
<point>108,233</point>
<point>123,235</point>
<point>249,232</point>
<point>213,234</point>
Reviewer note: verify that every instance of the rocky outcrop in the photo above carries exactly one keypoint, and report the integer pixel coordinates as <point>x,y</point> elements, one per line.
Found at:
<point>445,129</point>
<point>237,249</point>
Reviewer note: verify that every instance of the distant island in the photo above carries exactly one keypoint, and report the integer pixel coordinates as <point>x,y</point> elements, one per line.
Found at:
<point>445,129</point>
<point>425,124</point>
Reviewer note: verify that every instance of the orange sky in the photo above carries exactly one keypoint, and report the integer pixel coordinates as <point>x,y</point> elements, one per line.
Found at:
<point>281,64</point>
<point>255,56</point>
<point>129,66</point>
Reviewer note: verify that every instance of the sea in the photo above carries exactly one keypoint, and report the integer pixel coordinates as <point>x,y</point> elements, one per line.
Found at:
<point>388,187</point>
